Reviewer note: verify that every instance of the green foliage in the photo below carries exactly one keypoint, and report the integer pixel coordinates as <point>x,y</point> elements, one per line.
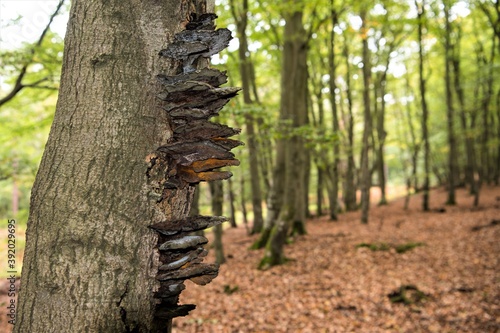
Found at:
<point>401,248</point>
<point>375,246</point>
<point>25,120</point>
<point>229,290</point>
<point>408,295</point>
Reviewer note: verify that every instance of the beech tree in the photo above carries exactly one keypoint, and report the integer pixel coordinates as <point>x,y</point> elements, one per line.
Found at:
<point>117,163</point>
<point>286,204</point>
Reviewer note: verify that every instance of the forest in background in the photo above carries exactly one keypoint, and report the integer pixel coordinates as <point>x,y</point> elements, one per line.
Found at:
<point>339,98</point>
<point>345,105</point>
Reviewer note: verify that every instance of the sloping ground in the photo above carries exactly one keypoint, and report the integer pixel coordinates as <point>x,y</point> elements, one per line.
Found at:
<point>332,286</point>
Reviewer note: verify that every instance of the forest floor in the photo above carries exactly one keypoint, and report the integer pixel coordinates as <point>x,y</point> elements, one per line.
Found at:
<point>332,284</point>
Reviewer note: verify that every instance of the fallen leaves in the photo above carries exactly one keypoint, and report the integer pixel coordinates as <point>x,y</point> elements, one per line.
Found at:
<point>332,286</point>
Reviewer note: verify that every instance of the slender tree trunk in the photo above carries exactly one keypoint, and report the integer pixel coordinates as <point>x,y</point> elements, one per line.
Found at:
<point>350,187</point>
<point>470,168</point>
<point>320,158</point>
<point>217,192</point>
<point>319,192</point>
<point>367,132</point>
<point>232,208</point>
<point>450,111</point>
<point>89,263</point>
<point>414,145</point>
<point>243,204</point>
<point>335,117</point>
<point>381,134</point>
<point>241,17</point>
<point>425,110</point>
<point>307,184</point>
<point>405,161</point>
<point>486,157</point>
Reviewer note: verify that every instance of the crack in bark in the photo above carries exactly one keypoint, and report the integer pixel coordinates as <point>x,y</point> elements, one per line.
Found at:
<point>123,312</point>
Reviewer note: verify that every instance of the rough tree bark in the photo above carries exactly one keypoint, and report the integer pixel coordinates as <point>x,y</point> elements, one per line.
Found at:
<point>91,262</point>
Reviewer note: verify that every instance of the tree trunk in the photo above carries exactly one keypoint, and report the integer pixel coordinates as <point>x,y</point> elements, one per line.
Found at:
<point>350,182</point>
<point>232,208</point>
<point>485,158</point>
<point>414,146</point>
<point>319,192</point>
<point>367,132</point>
<point>293,108</point>
<point>381,134</point>
<point>90,259</point>
<point>450,111</point>
<point>425,111</point>
<point>246,68</point>
<point>470,167</point>
<point>307,183</point>
<point>335,117</point>
<point>243,204</point>
<point>217,192</point>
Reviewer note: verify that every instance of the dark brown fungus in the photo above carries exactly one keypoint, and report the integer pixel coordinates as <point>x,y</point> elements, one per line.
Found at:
<point>169,312</point>
<point>204,279</point>
<point>196,151</point>
<point>190,45</point>
<point>185,242</point>
<point>213,77</point>
<point>212,163</point>
<point>168,290</point>
<point>200,129</point>
<point>226,143</point>
<point>192,177</point>
<point>199,99</point>
<point>204,43</point>
<point>189,224</point>
<point>179,262</point>
<point>189,272</point>
<point>201,22</point>
<point>188,152</point>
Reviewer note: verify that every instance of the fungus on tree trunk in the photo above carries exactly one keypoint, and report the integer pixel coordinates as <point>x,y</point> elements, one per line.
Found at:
<point>196,151</point>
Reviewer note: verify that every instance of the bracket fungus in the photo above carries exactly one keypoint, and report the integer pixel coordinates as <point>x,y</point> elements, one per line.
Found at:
<point>196,152</point>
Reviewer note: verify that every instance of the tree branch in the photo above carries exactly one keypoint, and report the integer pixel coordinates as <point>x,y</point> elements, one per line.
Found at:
<point>18,86</point>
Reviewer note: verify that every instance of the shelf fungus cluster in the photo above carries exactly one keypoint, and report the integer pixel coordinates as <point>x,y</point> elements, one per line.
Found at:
<point>181,256</point>
<point>196,152</point>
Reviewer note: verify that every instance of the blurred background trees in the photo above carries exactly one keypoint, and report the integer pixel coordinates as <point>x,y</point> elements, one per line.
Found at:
<point>345,103</point>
